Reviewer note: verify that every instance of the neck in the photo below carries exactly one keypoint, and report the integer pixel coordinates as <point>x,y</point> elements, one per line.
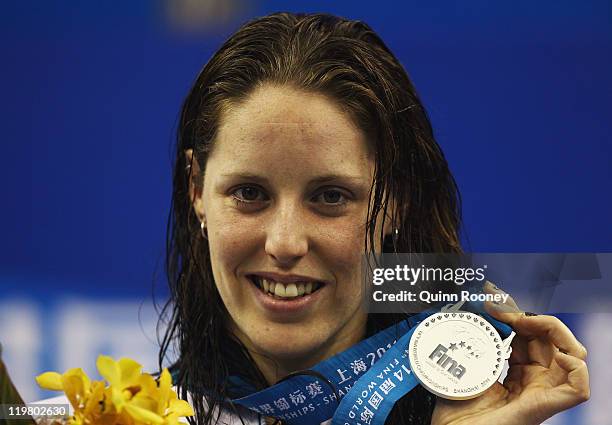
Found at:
<point>275,367</point>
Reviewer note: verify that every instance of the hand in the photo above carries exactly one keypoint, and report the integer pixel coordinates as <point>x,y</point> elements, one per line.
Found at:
<point>547,374</point>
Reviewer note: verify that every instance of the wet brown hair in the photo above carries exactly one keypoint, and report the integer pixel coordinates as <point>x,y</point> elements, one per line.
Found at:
<point>348,62</point>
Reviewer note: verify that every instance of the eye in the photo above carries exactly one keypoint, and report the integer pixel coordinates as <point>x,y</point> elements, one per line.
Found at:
<point>331,197</point>
<point>248,194</point>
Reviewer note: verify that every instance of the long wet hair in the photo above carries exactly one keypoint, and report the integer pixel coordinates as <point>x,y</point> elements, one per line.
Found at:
<point>349,63</point>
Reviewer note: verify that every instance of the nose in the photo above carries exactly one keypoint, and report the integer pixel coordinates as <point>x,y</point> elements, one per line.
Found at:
<point>286,238</point>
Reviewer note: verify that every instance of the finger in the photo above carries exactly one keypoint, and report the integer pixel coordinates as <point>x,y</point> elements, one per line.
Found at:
<point>529,351</point>
<point>576,388</point>
<point>541,351</point>
<point>491,288</point>
<point>542,333</point>
<point>523,350</point>
<point>539,327</point>
<point>503,312</point>
<point>551,328</point>
<point>558,334</point>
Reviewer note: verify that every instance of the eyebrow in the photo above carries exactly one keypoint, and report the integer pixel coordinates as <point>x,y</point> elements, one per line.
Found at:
<point>318,180</point>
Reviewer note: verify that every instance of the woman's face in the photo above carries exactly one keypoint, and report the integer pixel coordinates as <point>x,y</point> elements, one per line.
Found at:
<point>284,200</point>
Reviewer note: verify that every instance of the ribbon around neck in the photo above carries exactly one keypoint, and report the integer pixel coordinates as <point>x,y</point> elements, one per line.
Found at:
<point>357,386</point>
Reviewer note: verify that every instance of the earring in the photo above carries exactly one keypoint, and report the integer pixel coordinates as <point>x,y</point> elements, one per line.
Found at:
<point>203,230</point>
<point>395,236</point>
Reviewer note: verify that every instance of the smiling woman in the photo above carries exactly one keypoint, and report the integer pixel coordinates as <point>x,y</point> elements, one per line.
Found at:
<point>285,201</point>
<point>302,146</point>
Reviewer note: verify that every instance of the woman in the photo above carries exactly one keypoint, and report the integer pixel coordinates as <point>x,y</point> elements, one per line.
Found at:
<point>302,146</point>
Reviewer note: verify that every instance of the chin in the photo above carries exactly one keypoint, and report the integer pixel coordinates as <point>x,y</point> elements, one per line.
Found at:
<point>284,342</point>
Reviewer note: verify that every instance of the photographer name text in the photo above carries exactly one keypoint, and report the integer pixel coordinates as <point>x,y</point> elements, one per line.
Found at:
<point>435,297</point>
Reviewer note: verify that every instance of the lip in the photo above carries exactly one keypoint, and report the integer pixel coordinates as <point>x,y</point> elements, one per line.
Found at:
<point>285,308</point>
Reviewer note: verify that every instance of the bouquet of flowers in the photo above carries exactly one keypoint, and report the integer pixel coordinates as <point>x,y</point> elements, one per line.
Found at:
<point>126,396</point>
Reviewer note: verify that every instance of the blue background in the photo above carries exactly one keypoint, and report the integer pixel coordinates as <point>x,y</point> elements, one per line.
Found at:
<point>519,94</point>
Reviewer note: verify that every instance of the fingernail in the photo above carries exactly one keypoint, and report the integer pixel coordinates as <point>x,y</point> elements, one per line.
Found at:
<point>528,313</point>
<point>492,285</point>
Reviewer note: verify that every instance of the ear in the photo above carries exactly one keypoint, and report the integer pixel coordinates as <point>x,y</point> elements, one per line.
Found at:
<point>196,185</point>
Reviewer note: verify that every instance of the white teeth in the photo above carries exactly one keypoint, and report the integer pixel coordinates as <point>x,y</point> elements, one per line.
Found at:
<point>279,290</point>
<point>291,290</point>
<point>288,290</point>
<point>308,288</point>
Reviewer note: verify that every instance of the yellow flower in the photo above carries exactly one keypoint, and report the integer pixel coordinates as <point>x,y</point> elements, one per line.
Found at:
<point>165,384</point>
<point>50,381</point>
<point>177,408</point>
<point>132,397</point>
<point>170,406</point>
<point>75,384</point>
<point>122,376</point>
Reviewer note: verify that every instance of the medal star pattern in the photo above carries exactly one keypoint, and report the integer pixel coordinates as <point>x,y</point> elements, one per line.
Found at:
<point>453,346</point>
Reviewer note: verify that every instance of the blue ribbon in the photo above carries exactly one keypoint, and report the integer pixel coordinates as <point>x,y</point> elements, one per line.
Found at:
<point>357,386</point>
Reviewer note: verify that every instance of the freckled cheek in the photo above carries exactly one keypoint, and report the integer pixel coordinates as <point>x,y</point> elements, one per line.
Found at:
<point>231,247</point>
<point>342,250</point>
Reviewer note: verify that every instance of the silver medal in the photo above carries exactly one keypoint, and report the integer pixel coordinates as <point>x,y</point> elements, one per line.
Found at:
<point>456,354</point>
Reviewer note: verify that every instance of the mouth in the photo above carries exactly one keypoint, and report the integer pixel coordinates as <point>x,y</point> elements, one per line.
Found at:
<point>283,290</point>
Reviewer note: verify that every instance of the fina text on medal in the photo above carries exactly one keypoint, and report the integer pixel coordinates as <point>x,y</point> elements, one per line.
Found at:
<point>435,297</point>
